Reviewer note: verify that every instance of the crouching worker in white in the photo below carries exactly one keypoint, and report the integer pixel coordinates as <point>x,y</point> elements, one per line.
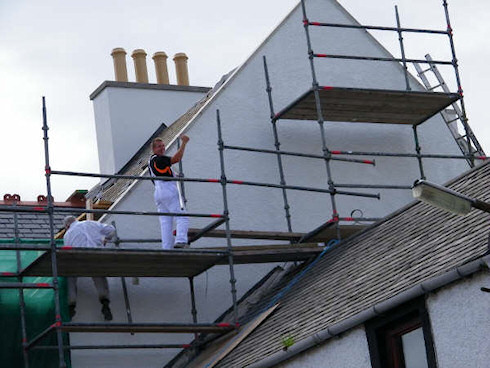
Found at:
<point>167,197</point>
<point>88,234</point>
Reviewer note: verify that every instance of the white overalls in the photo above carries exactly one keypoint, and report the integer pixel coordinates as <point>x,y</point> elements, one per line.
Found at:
<point>167,200</point>
<point>88,234</point>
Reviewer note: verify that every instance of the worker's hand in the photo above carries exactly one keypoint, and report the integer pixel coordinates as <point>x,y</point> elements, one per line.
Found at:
<point>184,138</point>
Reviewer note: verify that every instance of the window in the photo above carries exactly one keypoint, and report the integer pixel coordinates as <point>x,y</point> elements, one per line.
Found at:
<point>402,338</point>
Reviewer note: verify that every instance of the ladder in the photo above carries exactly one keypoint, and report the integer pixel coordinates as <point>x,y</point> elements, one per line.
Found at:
<point>453,117</point>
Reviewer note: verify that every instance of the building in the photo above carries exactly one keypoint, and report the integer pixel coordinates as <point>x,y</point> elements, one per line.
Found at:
<point>128,115</point>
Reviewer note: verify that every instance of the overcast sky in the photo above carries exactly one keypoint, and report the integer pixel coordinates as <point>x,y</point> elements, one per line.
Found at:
<point>61,49</point>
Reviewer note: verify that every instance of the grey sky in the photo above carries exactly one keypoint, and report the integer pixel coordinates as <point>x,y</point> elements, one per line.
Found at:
<point>61,49</point>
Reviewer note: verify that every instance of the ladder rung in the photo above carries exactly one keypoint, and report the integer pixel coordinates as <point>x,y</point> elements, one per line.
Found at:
<point>452,121</point>
<point>436,86</point>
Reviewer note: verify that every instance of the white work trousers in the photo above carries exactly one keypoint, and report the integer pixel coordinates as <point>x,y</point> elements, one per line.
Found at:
<point>167,200</point>
<point>100,284</point>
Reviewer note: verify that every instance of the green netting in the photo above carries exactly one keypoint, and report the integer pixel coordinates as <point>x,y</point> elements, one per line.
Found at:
<point>39,313</point>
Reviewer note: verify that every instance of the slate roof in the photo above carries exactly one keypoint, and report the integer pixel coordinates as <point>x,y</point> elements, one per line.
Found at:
<point>113,189</point>
<point>410,246</point>
<point>30,225</point>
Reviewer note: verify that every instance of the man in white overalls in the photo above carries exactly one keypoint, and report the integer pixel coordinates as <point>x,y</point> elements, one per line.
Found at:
<point>167,196</point>
<point>88,234</point>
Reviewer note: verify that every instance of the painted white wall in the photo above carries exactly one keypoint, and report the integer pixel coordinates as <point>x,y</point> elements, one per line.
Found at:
<point>350,350</point>
<point>126,117</point>
<point>460,321</point>
<point>245,117</point>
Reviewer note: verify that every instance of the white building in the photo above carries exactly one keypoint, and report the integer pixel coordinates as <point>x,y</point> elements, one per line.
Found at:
<point>127,115</point>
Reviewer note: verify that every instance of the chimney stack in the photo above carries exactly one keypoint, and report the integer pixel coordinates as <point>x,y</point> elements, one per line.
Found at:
<point>120,70</point>
<point>161,71</point>
<point>180,60</point>
<point>139,58</point>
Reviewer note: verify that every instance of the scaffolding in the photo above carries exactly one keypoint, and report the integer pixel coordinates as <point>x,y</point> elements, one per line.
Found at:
<point>360,105</point>
<point>321,103</point>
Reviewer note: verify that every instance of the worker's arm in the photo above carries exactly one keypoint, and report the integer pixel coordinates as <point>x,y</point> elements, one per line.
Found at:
<point>107,231</point>
<point>178,155</point>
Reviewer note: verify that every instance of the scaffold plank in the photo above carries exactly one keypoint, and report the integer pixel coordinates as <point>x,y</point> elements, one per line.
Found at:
<point>245,234</point>
<point>273,253</point>
<point>346,231</point>
<point>124,262</point>
<point>113,262</point>
<point>162,263</point>
<point>369,105</point>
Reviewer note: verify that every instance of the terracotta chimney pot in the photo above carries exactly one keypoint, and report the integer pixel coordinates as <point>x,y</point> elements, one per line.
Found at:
<point>180,60</point>
<point>161,71</point>
<point>139,58</point>
<point>120,71</point>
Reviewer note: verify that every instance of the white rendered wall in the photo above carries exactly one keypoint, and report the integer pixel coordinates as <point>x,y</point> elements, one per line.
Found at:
<point>126,117</point>
<point>460,319</point>
<point>245,117</point>
<point>157,300</point>
<point>350,350</point>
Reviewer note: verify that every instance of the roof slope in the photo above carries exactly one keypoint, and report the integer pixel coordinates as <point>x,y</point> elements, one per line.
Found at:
<point>410,246</point>
<point>29,225</point>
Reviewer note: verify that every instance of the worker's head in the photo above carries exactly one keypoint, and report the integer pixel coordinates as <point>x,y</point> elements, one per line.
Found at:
<point>158,147</point>
<point>68,220</point>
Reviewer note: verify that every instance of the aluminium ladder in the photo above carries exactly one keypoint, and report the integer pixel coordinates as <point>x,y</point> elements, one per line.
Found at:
<point>453,118</point>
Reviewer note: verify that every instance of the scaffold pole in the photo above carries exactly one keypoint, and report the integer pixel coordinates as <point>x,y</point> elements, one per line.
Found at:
<point>458,78</point>
<point>23,325</point>
<point>277,144</point>
<point>418,149</point>
<point>226,214</point>
<point>325,149</point>
<point>57,307</point>
<point>402,48</point>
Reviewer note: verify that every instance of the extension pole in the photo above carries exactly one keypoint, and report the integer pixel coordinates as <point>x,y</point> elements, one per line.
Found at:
<point>227,217</point>
<point>54,265</point>
<point>180,184</point>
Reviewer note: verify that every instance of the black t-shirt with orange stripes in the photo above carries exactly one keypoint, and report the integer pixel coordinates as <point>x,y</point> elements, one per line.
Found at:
<point>160,165</point>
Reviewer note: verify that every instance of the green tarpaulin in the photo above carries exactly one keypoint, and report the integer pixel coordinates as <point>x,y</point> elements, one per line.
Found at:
<point>39,315</point>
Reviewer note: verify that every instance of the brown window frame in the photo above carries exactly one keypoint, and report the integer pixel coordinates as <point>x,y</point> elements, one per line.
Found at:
<point>384,335</point>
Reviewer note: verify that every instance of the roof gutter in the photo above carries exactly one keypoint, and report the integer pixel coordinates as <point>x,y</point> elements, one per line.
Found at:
<point>405,296</point>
